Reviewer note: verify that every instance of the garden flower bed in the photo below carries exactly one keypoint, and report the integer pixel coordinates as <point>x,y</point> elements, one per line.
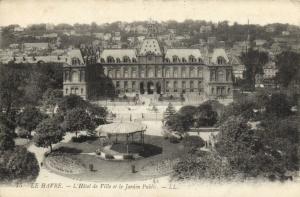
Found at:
<point>64,164</point>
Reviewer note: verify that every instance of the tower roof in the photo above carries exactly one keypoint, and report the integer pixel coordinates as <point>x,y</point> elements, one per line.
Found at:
<point>150,46</point>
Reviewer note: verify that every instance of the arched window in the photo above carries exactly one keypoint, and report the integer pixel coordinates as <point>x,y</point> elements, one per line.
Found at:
<point>212,75</point>
<point>118,73</point>
<point>133,59</point>
<point>167,60</point>
<point>126,59</point>
<point>175,86</point>
<point>200,72</point>
<point>168,86</point>
<point>110,59</point>
<point>175,72</point>
<point>75,76</point>
<point>150,72</point>
<point>82,76</point>
<point>168,72</point>
<point>192,86</point>
<point>175,59</point>
<point>126,73</point>
<point>183,59</point>
<point>192,72</point>
<point>228,90</point>
<point>118,60</point>
<point>102,60</point>
<point>200,60</point>
<point>67,75</point>
<point>142,73</point>
<point>159,72</point>
<point>134,72</point>
<point>192,58</point>
<point>183,72</point>
<point>110,74</point>
<point>221,60</point>
<point>221,75</point>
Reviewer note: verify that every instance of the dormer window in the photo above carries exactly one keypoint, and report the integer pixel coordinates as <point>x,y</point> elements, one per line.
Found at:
<point>192,58</point>
<point>175,59</point>
<point>126,59</point>
<point>221,60</point>
<point>75,61</point>
<point>110,59</point>
<point>118,60</point>
<point>183,59</point>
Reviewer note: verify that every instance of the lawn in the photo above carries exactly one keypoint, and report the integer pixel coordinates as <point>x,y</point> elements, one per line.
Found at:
<point>121,170</point>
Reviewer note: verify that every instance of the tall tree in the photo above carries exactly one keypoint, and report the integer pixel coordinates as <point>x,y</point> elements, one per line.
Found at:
<point>254,61</point>
<point>169,111</point>
<point>288,63</point>
<point>51,99</point>
<point>11,86</point>
<point>71,102</point>
<point>48,132</point>
<point>78,119</point>
<point>29,118</point>
<point>205,115</point>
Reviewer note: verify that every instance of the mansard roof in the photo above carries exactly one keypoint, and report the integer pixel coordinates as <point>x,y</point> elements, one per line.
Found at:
<point>219,52</point>
<point>36,59</point>
<point>150,45</point>
<point>183,53</point>
<point>75,53</point>
<point>118,53</point>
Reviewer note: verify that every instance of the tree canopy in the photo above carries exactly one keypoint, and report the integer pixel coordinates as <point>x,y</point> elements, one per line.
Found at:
<point>78,119</point>
<point>253,61</point>
<point>29,118</point>
<point>288,64</point>
<point>278,105</point>
<point>48,133</point>
<point>18,165</point>
<point>6,139</point>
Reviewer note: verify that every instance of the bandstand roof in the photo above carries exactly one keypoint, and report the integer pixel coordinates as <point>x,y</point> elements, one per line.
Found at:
<point>121,128</point>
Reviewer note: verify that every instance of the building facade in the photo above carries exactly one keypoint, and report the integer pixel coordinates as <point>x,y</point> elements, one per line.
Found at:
<point>150,70</point>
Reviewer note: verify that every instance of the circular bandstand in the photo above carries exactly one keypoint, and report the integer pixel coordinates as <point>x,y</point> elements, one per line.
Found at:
<point>128,131</point>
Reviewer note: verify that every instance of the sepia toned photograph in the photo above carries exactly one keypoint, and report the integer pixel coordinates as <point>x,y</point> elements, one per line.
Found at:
<point>149,97</point>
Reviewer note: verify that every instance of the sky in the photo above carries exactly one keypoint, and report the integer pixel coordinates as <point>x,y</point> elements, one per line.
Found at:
<point>25,12</point>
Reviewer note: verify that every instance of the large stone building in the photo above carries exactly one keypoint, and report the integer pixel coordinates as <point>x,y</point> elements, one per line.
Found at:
<point>150,70</point>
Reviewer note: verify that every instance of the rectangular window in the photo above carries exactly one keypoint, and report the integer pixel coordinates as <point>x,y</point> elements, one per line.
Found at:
<point>126,86</point>
<point>199,86</point>
<point>175,86</point>
<point>167,86</point>
<point>192,86</point>
<point>133,86</point>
